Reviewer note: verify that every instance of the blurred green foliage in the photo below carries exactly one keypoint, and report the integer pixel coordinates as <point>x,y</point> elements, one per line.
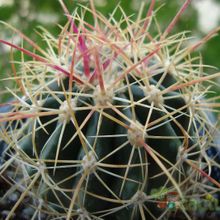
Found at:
<point>27,15</point>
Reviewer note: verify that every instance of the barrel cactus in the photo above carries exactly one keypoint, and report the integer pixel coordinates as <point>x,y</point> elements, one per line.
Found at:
<point>109,123</point>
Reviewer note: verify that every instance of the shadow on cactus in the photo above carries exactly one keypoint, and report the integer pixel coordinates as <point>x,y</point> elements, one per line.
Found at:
<point>109,123</point>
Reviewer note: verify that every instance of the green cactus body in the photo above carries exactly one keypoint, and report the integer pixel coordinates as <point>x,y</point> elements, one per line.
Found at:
<point>101,140</point>
<point>99,145</point>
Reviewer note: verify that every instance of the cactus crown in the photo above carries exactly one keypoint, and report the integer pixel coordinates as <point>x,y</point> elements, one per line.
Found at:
<point>109,121</point>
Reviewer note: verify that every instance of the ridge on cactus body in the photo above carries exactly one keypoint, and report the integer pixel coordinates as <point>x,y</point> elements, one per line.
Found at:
<point>109,123</point>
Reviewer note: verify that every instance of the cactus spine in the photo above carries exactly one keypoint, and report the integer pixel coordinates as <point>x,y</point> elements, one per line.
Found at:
<point>107,120</point>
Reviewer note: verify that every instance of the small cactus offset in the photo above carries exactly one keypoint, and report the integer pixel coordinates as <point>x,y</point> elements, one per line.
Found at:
<point>109,122</point>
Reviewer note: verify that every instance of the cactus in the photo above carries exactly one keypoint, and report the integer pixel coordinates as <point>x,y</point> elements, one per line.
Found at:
<point>107,122</point>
